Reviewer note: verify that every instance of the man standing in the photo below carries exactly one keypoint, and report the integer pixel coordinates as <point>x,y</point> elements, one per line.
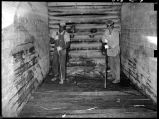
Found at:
<point>111,37</point>
<point>54,56</point>
<point>61,45</point>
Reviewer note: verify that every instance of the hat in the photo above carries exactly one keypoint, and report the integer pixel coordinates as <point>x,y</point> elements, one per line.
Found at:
<point>62,23</point>
<point>109,23</point>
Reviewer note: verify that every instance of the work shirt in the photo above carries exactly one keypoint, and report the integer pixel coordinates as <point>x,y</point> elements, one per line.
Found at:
<point>53,37</point>
<point>113,42</point>
<point>62,39</point>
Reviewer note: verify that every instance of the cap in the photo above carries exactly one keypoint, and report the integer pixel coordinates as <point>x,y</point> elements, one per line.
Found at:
<point>109,23</point>
<point>62,23</point>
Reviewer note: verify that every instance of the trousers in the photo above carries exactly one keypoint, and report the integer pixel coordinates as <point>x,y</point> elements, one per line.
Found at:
<point>59,64</point>
<point>114,64</point>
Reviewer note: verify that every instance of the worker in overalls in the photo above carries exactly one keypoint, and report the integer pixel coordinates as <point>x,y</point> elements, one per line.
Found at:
<point>54,56</point>
<point>111,37</point>
<point>61,45</point>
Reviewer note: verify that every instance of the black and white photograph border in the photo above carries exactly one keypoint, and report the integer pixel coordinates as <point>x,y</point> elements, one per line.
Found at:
<point>79,59</point>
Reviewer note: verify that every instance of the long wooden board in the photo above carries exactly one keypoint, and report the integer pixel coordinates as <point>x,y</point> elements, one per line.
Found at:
<point>85,45</point>
<point>83,26</point>
<point>81,3</point>
<point>92,17</point>
<point>52,22</point>
<point>66,13</point>
<point>86,53</point>
<point>87,30</point>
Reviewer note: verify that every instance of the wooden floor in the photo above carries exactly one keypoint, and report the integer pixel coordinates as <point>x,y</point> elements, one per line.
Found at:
<point>87,98</point>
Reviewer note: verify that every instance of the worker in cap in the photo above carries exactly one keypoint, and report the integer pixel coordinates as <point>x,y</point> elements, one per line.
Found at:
<point>111,37</point>
<point>54,56</point>
<point>61,47</point>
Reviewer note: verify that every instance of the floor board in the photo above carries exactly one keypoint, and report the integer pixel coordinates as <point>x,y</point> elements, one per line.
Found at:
<point>84,98</point>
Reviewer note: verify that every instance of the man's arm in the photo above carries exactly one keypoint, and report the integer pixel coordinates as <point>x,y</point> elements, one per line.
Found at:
<point>67,39</point>
<point>104,38</point>
<point>114,42</point>
<point>105,41</point>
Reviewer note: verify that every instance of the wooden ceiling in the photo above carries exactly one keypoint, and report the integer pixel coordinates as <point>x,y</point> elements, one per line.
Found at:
<point>85,15</point>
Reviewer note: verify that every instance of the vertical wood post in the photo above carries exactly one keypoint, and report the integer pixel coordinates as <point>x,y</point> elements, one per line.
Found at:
<point>106,65</point>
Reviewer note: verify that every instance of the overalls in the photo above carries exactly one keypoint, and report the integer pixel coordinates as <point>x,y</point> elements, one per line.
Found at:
<point>61,56</point>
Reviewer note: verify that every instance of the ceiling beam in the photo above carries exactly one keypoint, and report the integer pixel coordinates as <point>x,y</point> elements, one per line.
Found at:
<point>85,7</point>
<point>81,10</point>
<point>81,3</point>
<point>84,14</point>
<point>83,18</point>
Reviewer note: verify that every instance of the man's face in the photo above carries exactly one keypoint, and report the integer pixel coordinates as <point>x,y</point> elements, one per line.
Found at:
<point>61,29</point>
<point>110,27</point>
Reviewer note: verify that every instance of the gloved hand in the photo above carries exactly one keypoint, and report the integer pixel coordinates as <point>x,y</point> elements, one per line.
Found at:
<point>59,48</point>
<point>105,41</point>
<point>106,46</point>
<point>56,37</point>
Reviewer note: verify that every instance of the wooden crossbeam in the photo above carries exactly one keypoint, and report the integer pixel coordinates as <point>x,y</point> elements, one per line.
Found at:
<point>84,13</point>
<point>86,53</point>
<point>87,21</point>
<point>87,26</point>
<point>86,36</point>
<point>85,7</point>
<point>82,10</point>
<point>84,48</point>
<point>86,33</point>
<point>74,12</point>
<point>86,30</point>
<point>76,41</point>
<point>86,45</point>
<point>51,23</point>
<point>81,3</point>
<point>84,17</point>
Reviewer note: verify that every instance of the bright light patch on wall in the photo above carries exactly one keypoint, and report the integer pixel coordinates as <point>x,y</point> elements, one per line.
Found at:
<point>152,39</point>
<point>8,12</point>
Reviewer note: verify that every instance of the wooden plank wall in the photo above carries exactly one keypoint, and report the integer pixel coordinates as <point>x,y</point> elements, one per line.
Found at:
<point>85,16</point>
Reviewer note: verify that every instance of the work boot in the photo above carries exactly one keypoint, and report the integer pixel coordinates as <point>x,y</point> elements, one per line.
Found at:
<point>108,70</point>
<point>54,79</point>
<point>67,79</point>
<point>61,82</point>
<point>116,81</point>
